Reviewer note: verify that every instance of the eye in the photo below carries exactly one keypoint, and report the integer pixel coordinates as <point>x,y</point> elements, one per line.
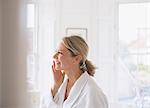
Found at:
<point>59,52</point>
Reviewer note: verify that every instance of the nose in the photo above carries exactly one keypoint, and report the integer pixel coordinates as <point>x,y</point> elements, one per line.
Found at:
<point>55,56</point>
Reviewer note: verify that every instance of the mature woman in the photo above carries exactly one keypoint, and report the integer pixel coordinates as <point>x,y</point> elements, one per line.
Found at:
<point>79,90</point>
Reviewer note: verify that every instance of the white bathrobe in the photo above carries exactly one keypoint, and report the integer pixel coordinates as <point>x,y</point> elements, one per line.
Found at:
<point>85,93</point>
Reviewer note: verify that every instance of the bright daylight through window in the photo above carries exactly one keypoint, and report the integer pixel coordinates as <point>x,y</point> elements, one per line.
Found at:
<point>134,50</point>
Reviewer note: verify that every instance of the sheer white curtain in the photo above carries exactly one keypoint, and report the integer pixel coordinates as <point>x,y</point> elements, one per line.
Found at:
<point>45,56</point>
<point>46,42</point>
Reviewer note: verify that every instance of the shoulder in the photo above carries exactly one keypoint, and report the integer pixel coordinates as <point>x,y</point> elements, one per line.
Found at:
<point>94,93</point>
<point>92,86</point>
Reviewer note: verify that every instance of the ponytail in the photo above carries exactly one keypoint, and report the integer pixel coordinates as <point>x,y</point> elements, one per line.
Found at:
<point>90,68</point>
<point>87,66</point>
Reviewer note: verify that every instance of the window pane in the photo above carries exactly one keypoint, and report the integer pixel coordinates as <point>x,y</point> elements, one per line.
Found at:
<point>134,25</point>
<point>143,69</point>
<point>30,15</point>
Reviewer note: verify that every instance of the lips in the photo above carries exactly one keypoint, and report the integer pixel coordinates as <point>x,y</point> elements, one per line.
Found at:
<point>58,63</point>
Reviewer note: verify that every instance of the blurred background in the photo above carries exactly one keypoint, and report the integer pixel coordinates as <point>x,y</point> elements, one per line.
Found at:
<point>118,34</point>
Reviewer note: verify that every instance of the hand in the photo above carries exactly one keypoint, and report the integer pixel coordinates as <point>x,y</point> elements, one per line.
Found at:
<point>58,77</point>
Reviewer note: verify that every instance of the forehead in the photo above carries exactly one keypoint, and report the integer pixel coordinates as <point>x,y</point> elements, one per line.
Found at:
<point>62,47</point>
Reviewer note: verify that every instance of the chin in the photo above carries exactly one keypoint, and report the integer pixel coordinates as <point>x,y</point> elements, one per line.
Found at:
<point>58,68</point>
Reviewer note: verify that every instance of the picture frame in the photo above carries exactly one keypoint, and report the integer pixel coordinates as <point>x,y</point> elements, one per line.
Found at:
<point>83,32</point>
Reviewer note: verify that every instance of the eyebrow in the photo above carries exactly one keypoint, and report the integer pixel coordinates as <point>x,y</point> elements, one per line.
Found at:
<point>59,50</point>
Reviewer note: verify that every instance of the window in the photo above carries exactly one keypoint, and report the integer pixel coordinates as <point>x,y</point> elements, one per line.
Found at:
<point>134,50</point>
<point>32,53</point>
<point>32,45</point>
<point>40,25</point>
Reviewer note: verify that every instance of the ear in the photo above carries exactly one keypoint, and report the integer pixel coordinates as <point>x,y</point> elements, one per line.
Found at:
<point>78,58</point>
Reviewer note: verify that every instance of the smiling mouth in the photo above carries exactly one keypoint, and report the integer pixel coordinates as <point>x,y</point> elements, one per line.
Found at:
<point>57,62</point>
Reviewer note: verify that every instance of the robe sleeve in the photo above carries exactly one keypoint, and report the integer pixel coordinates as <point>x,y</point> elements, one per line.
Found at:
<point>57,100</point>
<point>53,101</point>
<point>47,101</point>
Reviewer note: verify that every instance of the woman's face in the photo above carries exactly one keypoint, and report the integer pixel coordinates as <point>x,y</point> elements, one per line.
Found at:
<point>63,58</point>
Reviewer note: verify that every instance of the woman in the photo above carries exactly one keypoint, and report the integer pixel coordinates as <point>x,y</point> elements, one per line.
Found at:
<point>79,90</point>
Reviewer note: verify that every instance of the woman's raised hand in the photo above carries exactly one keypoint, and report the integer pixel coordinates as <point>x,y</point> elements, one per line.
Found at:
<point>58,77</point>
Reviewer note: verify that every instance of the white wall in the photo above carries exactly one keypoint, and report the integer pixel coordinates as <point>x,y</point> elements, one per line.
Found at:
<point>107,75</point>
<point>132,1</point>
<point>0,46</point>
<point>13,55</point>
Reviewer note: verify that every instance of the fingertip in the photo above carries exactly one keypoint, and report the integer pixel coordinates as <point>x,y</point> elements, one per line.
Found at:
<point>53,68</point>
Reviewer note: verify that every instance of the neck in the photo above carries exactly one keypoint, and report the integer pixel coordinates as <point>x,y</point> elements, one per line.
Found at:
<point>73,75</point>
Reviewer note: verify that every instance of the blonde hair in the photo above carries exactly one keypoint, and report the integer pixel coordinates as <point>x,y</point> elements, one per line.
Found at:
<point>77,45</point>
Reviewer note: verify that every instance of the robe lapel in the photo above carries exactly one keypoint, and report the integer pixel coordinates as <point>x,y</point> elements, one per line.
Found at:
<point>76,90</point>
<point>61,93</point>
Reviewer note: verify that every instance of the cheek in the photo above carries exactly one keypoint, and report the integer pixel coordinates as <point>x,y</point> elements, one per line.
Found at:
<point>70,61</point>
<point>66,61</point>
<point>61,58</point>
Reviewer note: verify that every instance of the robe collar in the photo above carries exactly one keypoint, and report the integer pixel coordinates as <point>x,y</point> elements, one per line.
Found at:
<point>75,90</point>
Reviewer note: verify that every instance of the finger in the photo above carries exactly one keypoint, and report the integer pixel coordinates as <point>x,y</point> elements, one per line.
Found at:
<point>53,69</point>
<point>54,64</point>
